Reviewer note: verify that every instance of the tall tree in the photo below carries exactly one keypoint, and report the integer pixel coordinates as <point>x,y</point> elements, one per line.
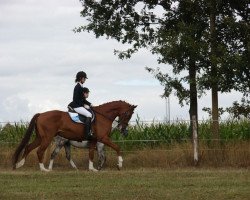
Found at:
<point>178,29</point>
<point>214,72</point>
<point>198,38</point>
<point>240,32</point>
<point>180,42</point>
<point>227,52</point>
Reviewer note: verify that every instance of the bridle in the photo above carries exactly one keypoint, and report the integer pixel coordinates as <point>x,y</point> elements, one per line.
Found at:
<point>123,116</point>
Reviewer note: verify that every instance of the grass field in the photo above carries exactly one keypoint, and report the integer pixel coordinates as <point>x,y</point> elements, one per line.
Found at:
<point>155,170</point>
<point>233,155</point>
<point>162,172</point>
<point>144,183</point>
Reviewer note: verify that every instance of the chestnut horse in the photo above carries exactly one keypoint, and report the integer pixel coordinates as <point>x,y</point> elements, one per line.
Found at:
<point>49,124</point>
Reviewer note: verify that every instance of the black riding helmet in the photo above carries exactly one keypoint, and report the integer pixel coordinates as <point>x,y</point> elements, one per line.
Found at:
<point>85,90</point>
<point>80,75</point>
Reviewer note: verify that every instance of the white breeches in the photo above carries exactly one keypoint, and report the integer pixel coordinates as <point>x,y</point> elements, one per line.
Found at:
<point>83,111</point>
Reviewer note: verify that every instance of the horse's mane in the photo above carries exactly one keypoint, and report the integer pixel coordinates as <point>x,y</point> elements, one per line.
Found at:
<point>112,102</point>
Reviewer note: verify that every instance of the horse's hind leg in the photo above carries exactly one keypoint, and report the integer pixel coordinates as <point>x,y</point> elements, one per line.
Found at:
<point>67,148</point>
<point>40,152</point>
<point>101,155</point>
<point>54,154</point>
<point>28,149</point>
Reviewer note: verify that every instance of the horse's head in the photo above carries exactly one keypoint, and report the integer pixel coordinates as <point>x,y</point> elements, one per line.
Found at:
<point>120,109</point>
<point>125,115</point>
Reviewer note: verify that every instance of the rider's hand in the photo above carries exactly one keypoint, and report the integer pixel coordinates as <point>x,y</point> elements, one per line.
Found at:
<point>86,106</point>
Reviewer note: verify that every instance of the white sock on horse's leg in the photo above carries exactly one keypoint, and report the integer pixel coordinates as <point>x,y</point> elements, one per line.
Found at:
<point>73,164</point>
<point>20,163</point>
<point>51,164</point>
<point>120,160</point>
<point>91,167</point>
<point>42,168</point>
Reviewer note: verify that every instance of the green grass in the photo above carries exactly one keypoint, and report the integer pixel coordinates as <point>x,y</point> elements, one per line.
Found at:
<point>126,184</point>
<point>152,170</point>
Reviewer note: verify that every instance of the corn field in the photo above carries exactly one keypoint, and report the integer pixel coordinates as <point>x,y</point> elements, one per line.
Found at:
<point>160,132</point>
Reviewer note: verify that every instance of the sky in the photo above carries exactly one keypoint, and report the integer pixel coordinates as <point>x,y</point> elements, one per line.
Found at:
<point>40,56</point>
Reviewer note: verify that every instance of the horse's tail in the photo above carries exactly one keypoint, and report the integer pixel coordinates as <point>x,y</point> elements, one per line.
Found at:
<point>25,140</point>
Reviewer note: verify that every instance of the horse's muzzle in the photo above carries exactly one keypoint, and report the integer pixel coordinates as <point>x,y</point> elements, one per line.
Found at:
<point>124,131</point>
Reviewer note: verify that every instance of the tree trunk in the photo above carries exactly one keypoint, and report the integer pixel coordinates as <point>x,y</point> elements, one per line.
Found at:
<point>215,114</point>
<point>193,111</point>
<point>214,78</point>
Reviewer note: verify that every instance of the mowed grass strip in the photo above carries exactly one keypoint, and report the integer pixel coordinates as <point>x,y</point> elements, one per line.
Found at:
<point>126,184</point>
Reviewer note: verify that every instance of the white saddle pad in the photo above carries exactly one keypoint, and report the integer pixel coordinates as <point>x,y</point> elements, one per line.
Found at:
<point>75,117</point>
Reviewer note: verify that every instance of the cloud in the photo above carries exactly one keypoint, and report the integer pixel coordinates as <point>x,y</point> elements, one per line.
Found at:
<point>137,83</point>
<point>13,108</point>
<point>40,55</point>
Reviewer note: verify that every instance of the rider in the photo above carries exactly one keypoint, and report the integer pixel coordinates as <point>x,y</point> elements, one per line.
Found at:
<point>79,101</point>
<point>86,103</point>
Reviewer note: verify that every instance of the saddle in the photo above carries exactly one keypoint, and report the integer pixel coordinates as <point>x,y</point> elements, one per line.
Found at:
<point>76,117</point>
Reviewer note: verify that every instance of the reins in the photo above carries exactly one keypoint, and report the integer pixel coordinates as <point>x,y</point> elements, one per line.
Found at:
<point>104,116</point>
<point>118,121</point>
<point>108,119</point>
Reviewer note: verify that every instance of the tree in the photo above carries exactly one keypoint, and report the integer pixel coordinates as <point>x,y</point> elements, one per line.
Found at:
<point>242,38</point>
<point>180,43</point>
<point>228,56</point>
<point>120,20</point>
<point>240,110</point>
<point>194,36</point>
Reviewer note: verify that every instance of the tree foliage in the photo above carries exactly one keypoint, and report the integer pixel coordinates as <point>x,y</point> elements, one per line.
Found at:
<point>178,32</point>
<point>240,110</point>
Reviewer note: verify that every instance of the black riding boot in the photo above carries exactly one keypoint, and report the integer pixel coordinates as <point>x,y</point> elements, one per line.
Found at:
<point>87,130</point>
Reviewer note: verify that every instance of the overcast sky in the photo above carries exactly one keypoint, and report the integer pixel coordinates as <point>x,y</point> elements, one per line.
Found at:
<point>40,55</point>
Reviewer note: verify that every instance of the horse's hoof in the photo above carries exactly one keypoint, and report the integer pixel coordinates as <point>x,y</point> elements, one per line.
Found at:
<point>20,163</point>
<point>50,168</point>
<point>118,167</point>
<point>93,170</point>
<point>42,168</point>
<point>46,170</point>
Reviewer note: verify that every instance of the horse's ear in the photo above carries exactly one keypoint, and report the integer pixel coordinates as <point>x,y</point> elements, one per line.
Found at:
<point>134,106</point>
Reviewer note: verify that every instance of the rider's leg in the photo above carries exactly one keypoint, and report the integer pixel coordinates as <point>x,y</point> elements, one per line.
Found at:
<point>88,128</point>
<point>86,113</point>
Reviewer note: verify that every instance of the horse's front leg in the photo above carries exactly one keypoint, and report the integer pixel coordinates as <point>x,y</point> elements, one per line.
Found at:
<point>91,155</point>
<point>107,141</point>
